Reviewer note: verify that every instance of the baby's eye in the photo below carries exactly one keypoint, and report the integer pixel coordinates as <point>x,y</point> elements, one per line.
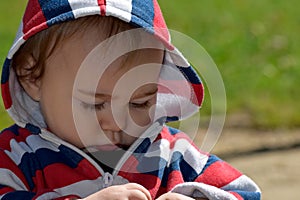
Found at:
<point>142,105</point>
<point>93,107</point>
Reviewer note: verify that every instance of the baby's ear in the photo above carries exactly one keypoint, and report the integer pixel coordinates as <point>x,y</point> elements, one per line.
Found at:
<point>27,78</point>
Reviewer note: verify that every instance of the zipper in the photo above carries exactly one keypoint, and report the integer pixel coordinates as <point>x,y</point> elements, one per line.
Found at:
<point>152,131</point>
<point>108,178</point>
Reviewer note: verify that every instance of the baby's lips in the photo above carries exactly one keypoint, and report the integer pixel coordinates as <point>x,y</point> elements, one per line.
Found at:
<point>106,147</point>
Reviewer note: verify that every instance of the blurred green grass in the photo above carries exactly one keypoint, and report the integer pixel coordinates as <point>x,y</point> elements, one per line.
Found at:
<point>10,15</point>
<point>255,45</point>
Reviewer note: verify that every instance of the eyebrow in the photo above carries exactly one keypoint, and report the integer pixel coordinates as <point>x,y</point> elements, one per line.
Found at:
<point>105,96</point>
<point>96,95</point>
<point>148,93</point>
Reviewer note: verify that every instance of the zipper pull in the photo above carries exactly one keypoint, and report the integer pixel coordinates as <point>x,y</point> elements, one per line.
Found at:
<point>107,179</point>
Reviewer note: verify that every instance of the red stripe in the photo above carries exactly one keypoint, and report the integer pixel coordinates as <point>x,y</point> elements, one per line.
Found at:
<point>130,172</point>
<point>161,191</point>
<point>165,134</point>
<point>182,88</point>
<point>237,195</point>
<point>199,92</point>
<point>174,178</point>
<point>219,174</point>
<point>7,163</point>
<point>129,166</point>
<point>5,190</point>
<point>102,5</point>
<point>33,20</point>
<point>7,136</point>
<point>6,95</point>
<point>160,27</point>
<point>84,171</point>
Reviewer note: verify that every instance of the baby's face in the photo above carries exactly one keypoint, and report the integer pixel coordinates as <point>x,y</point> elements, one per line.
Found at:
<point>101,110</point>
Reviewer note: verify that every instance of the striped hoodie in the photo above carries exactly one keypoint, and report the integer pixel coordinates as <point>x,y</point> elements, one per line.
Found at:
<point>36,164</point>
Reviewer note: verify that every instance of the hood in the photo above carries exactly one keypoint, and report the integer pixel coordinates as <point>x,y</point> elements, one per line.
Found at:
<point>184,95</point>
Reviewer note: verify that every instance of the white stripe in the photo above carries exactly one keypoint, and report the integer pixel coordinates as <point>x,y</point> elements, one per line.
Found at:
<point>190,154</point>
<point>193,157</point>
<point>174,105</point>
<point>83,8</point>
<point>160,149</point>
<point>16,153</point>
<point>17,42</point>
<point>243,183</point>
<point>120,9</point>
<point>81,189</point>
<point>200,190</point>
<point>34,142</point>
<point>178,59</point>
<point>8,178</point>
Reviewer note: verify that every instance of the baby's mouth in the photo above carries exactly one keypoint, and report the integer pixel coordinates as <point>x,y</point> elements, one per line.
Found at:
<point>111,147</point>
<point>123,146</point>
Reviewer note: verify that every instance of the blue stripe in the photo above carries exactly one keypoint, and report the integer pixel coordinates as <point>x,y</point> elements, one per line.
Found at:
<point>143,147</point>
<point>173,131</point>
<point>190,74</point>
<point>179,164</point>
<point>33,129</point>
<point>164,180</point>
<point>56,11</point>
<point>189,174</point>
<point>18,195</point>
<point>212,159</point>
<point>69,153</point>
<point>142,14</point>
<point>32,162</point>
<point>153,165</point>
<point>5,71</point>
<point>14,128</point>
<point>248,195</point>
<point>172,119</point>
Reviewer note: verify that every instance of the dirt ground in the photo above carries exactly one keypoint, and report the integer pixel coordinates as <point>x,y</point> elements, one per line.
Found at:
<point>270,158</point>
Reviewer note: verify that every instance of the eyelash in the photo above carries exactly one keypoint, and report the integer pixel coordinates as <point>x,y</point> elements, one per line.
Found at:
<point>143,105</point>
<point>89,106</point>
<point>99,107</point>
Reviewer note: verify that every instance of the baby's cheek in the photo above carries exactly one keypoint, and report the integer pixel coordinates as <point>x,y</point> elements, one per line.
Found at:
<point>141,117</point>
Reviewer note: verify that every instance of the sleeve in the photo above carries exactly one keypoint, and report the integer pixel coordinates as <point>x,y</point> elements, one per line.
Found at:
<point>14,185</point>
<point>218,181</point>
<point>8,193</point>
<point>12,180</point>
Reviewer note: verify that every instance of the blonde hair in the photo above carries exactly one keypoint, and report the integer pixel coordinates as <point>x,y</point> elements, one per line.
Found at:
<point>41,46</point>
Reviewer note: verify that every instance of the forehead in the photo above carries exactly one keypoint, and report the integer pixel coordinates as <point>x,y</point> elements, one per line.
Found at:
<point>127,73</point>
<point>99,48</point>
<point>146,60</point>
<point>121,60</point>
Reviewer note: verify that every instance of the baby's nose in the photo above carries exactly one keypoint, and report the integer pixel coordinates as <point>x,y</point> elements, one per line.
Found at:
<point>114,123</point>
<point>111,126</point>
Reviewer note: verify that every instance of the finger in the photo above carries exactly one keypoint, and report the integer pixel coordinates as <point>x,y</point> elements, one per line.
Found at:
<point>174,196</point>
<point>135,186</point>
<point>136,195</point>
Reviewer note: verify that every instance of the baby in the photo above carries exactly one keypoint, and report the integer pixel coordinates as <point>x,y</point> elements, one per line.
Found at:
<point>90,85</point>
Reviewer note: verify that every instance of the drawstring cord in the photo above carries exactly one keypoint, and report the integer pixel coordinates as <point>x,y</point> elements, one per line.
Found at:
<point>107,179</point>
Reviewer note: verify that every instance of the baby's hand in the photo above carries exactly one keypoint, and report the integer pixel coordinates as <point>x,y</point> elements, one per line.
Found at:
<point>130,191</point>
<point>176,196</point>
